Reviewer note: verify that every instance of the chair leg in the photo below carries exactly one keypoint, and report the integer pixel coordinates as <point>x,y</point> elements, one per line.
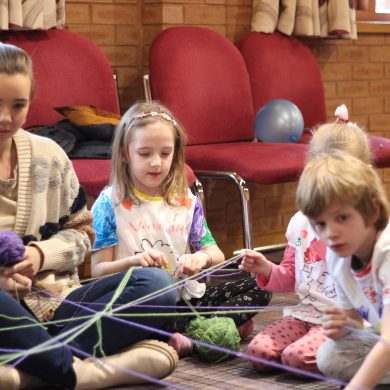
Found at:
<point>198,190</point>
<point>244,196</point>
<point>147,91</point>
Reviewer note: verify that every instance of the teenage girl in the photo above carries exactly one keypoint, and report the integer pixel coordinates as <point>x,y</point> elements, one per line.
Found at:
<point>41,200</point>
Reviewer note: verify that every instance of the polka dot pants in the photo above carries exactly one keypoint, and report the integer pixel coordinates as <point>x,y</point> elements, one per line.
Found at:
<point>289,341</point>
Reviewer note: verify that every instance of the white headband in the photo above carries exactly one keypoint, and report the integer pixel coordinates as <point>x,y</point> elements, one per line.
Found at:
<point>163,115</point>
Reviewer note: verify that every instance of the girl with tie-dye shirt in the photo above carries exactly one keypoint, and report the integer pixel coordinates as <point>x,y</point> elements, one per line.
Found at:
<point>148,217</point>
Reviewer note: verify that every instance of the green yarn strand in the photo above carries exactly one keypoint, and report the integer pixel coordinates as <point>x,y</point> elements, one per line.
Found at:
<point>220,331</point>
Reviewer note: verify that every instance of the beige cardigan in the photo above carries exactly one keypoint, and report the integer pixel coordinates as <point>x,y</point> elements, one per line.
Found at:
<point>52,215</point>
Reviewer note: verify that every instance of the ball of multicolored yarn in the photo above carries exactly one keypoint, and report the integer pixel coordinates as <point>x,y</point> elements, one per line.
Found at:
<point>11,248</point>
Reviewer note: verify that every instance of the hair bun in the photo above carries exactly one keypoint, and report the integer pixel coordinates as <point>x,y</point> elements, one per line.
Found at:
<point>341,114</point>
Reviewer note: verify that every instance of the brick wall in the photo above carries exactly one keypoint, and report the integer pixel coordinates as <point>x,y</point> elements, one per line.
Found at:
<point>356,73</point>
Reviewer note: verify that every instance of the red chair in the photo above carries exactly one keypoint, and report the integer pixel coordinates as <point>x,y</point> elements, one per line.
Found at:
<point>70,69</point>
<point>202,77</point>
<point>282,67</point>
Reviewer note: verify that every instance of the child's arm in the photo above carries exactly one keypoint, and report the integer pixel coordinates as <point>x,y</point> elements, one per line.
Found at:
<point>102,261</point>
<point>256,262</point>
<point>191,264</point>
<point>377,362</point>
<point>336,321</point>
<point>273,277</point>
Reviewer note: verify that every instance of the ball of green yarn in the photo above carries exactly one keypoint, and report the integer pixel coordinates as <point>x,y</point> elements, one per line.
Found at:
<point>220,331</point>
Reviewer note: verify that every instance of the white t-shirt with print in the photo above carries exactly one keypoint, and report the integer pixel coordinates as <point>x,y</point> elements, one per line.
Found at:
<point>366,291</point>
<point>313,283</point>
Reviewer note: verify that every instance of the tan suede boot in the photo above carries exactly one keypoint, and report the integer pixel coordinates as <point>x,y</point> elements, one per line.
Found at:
<point>153,358</point>
<point>13,379</point>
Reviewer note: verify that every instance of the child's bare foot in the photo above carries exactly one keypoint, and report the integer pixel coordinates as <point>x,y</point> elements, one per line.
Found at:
<point>182,344</point>
<point>245,329</point>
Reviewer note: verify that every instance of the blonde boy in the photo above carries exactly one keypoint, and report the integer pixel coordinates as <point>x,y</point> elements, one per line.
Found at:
<point>347,206</point>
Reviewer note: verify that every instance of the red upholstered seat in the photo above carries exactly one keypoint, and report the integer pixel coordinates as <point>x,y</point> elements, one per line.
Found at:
<point>96,174</point>
<point>70,69</point>
<point>276,163</point>
<point>380,149</point>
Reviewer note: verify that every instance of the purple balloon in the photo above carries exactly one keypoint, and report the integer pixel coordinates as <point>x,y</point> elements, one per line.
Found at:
<point>11,248</point>
<point>279,121</point>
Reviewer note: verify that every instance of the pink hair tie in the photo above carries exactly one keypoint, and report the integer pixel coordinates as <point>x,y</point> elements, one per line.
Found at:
<point>341,114</point>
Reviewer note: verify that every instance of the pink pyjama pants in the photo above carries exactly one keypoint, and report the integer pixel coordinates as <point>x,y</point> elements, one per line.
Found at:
<point>290,341</point>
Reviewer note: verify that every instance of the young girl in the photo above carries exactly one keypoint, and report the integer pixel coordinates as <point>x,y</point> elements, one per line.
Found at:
<point>41,200</point>
<point>149,217</point>
<point>347,207</point>
<point>303,268</point>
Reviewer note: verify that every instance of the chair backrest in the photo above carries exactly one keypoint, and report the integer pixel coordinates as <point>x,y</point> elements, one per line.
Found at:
<point>282,67</point>
<point>69,70</point>
<point>201,76</point>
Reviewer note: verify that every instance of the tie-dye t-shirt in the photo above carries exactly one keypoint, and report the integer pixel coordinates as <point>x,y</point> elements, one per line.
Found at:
<point>133,229</point>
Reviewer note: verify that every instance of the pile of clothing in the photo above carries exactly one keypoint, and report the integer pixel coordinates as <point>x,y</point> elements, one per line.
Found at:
<point>85,133</point>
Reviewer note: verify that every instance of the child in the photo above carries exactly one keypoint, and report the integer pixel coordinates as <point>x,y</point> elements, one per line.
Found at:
<point>41,200</point>
<point>303,268</point>
<point>347,207</point>
<point>149,217</point>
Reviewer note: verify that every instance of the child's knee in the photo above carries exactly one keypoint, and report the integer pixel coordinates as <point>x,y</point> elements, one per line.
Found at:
<point>262,351</point>
<point>293,356</point>
<point>158,281</point>
<point>327,360</point>
<point>300,356</point>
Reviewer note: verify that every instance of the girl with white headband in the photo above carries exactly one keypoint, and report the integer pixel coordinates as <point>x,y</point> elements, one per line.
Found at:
<point>148,217</point>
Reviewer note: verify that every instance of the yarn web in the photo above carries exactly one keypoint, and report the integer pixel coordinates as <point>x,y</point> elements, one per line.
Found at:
<point>112,311</point>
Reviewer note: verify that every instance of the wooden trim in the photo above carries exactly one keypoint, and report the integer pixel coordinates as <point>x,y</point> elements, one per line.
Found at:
<point>372,16</point>
<point>373,27</point>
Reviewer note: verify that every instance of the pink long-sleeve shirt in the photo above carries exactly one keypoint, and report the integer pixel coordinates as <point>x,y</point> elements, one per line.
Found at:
<point>303,270</point>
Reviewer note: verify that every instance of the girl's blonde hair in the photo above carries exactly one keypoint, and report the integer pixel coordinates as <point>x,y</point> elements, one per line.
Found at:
<point>14,60</point>
<point>341,178</point>
<point>137,116</point>
<point>348,137</point>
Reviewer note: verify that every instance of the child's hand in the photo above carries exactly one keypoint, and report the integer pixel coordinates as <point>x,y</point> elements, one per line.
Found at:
<point>151,258</point>
<point>191,264</point>
<point>255,262</point>
<point>334,321</point>
<point>16,285</point>
<point>29,265</point>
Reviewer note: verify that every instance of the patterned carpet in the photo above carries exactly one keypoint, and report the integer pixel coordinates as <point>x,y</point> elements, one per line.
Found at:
<point>238,373</point>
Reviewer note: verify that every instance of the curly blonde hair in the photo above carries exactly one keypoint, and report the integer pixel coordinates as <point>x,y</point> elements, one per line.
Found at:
<point>347,137</point>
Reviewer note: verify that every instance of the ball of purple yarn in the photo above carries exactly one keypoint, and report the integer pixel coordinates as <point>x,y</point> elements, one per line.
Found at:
<point>11,248</point>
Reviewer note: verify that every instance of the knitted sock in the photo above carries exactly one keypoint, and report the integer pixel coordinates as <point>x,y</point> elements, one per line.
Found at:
<point>245,329</point>
<point>181,343</point>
